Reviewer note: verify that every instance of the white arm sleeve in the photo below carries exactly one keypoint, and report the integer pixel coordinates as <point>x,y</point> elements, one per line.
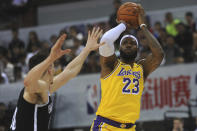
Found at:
<point>109,38</point>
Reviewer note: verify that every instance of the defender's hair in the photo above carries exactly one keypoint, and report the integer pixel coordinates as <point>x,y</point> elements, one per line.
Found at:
<point>38,58</point>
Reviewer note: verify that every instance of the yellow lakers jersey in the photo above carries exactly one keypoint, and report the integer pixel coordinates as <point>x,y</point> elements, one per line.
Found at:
<point>121,93</point>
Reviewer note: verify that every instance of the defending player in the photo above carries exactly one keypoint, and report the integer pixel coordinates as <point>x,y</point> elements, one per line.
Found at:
<point>34,104</point>
<point>122,81</point>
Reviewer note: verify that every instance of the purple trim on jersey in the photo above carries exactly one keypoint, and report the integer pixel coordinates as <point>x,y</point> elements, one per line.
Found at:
<point>97,124</point>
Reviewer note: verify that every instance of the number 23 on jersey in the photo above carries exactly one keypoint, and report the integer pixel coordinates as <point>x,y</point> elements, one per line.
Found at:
<point>128,82</point>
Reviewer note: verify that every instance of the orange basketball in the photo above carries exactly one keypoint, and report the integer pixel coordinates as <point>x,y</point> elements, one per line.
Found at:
<point>128,12</point>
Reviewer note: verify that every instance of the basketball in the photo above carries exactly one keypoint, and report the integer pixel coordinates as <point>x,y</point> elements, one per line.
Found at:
<point>128,12</point>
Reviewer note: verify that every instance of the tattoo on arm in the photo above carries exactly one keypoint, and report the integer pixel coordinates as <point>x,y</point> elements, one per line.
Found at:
<point>154,59</point>
<point>154,45</point>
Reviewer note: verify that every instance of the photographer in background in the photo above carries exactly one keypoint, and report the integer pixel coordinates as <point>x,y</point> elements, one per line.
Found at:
<point>178,125</point>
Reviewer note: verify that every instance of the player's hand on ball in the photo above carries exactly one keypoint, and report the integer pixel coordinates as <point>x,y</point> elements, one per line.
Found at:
<point>93,36</point>
<point>125,23</point>
<point>56,51</point>
<point>141,15</point>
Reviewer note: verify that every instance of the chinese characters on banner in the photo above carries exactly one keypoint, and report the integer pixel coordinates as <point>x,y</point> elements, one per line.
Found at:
<point>161,92</point>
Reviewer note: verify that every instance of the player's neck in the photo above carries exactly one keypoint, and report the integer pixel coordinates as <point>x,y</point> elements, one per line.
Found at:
<point>130,62</point>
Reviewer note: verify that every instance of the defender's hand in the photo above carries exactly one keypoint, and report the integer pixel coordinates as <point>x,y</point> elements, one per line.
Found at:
<point>93,37</point>
<point>56,51</point>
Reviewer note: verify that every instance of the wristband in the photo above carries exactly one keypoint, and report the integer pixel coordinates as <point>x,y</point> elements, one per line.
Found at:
<point>143,25</point>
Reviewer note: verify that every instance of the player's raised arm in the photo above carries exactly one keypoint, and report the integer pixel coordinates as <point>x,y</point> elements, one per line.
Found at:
<point>74,67</point>
<point>32,81</point>
<point>108,58</point>
<point>154,59</point>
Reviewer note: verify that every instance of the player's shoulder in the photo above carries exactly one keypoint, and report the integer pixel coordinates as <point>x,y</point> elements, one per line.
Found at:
<point>140,62</point>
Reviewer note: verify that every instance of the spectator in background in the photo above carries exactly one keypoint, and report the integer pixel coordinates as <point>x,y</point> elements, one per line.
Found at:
<point>178,125</point>
<point>148,23</point>
<point>3,52</point>
<point>93,64</point>
<point>162,36</point>
<point>172,51</point>
<point>35,49</point>
<point>34,42</point>
<point>21,69</point>
<point>53,39</point>
<point>190,21</point>
<point>2,112</point>
<point>184,39</point>
<point>18,73</point>
<point>2,128</point>
<point>73,32</point>
<point>171,24</point>
<point>89,27</point>
<point>33,45</point>
<point>196,124</point>
<point>157,27</point>
<point>104,26</point>
<point>113,16</point>
<point>3,78</point>
<point>195,46</point>
<point>62,31</point>
<point>69,43</point>
<point>45,45</point>
<point>19,2</point>
<point>32,48</point>
<point>78,45</point>
<point>16,41</point>
<point>3,117</point>
<point>16,47</point>
<point>5,66</point>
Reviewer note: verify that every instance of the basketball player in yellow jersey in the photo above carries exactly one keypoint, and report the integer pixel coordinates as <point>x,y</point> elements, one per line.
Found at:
<point>122,81</point>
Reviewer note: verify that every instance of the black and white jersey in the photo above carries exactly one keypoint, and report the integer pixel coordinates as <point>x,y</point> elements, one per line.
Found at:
<point>31,117</point>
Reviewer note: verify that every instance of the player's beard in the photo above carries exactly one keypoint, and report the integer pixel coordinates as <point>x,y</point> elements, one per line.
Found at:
<point>128,57</point>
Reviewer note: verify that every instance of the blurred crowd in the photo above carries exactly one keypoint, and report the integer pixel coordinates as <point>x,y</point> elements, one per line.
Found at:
<point>6,113</point>
<point>18,11</point>
<point>14,56</point>
<point>178,39</point>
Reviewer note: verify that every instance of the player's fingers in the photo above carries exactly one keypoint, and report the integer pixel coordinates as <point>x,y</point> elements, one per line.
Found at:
<point>141,9</point>
<point>139,6</point>
<point>93,30</point>
<point>60,40</point>
<point>96,32</point>
<point>67,51</point>
<point>99,34</point>
<point>88,34</point>
<point>62,37</point>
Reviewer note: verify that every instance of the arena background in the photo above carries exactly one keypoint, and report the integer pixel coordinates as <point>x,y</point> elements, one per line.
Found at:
<point>170,92</point>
